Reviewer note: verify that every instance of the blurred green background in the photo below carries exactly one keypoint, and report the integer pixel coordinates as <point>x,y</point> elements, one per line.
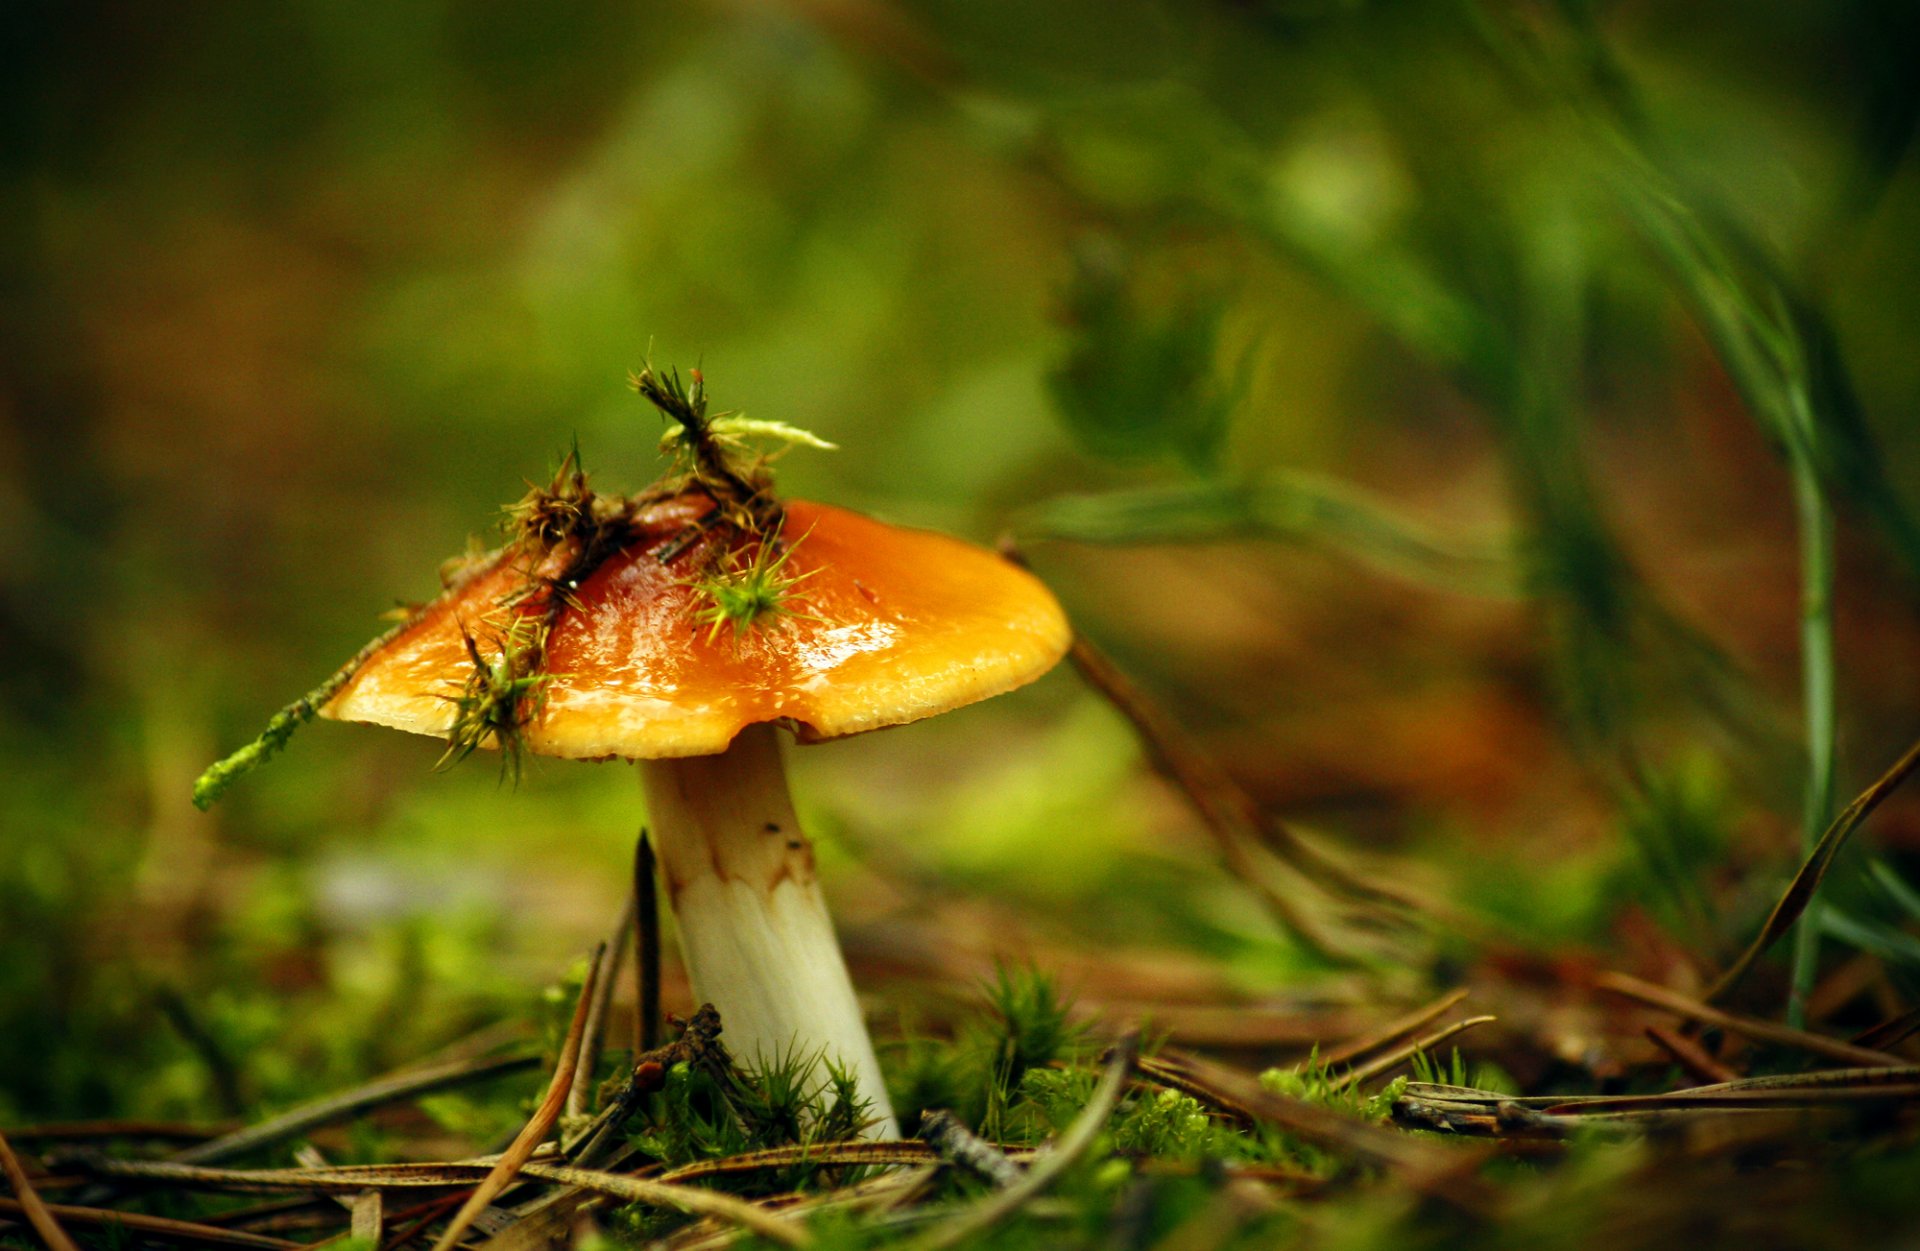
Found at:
<point>1395,388</point>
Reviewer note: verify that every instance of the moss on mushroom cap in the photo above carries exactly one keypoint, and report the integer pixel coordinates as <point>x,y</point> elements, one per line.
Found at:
<point>892,624</point>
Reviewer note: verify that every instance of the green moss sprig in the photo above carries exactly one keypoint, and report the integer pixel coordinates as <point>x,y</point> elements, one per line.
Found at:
<point>500,696</point>
<point>715,452</point>
<point>749,592</point>
<point>223,773</point>
<point>744,492</point>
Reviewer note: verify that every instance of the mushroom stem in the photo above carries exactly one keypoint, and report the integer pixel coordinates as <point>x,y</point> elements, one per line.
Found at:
<point>754,928</point>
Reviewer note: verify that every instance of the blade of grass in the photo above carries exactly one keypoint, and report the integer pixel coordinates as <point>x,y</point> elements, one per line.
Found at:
<point>1800,891</point>
<point>1896,887</point>
<point>1817,697</point>
<point>1065,1151</point>
<point>1891,945</point>
<point>1289,507</point>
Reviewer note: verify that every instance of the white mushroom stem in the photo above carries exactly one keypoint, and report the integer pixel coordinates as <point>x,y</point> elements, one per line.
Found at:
<point>754,928</point>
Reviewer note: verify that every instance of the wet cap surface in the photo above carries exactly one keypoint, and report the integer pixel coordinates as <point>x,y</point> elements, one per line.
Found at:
<point>898,624</point>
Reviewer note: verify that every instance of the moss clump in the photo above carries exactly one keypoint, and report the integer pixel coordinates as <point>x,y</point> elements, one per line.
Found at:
<point>500,696</point>
<point>750,589</point>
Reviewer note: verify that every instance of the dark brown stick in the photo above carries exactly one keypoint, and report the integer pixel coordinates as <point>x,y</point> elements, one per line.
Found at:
<point>646,949</point>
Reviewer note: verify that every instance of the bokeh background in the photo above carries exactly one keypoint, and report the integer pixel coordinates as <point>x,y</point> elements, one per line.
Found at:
<point>1354,371</point>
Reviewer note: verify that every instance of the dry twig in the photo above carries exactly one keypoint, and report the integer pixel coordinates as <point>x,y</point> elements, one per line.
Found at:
<point>859,1152</point>
<point>1690,1055</point>
<point>158,1227</point>
<point>37,1213</point>
<point>517,1155</point>
<point>1390,1033</point>
<point>339,1107</point>
<point>1400,1055</point>
<point>943,1131</point>
<point>1747,1027</point>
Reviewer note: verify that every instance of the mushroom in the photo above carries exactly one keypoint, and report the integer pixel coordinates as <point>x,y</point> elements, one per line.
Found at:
<point>682,629</point>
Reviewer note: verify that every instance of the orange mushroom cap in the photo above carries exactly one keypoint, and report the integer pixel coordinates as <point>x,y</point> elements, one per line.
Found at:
<point>888,625</point>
